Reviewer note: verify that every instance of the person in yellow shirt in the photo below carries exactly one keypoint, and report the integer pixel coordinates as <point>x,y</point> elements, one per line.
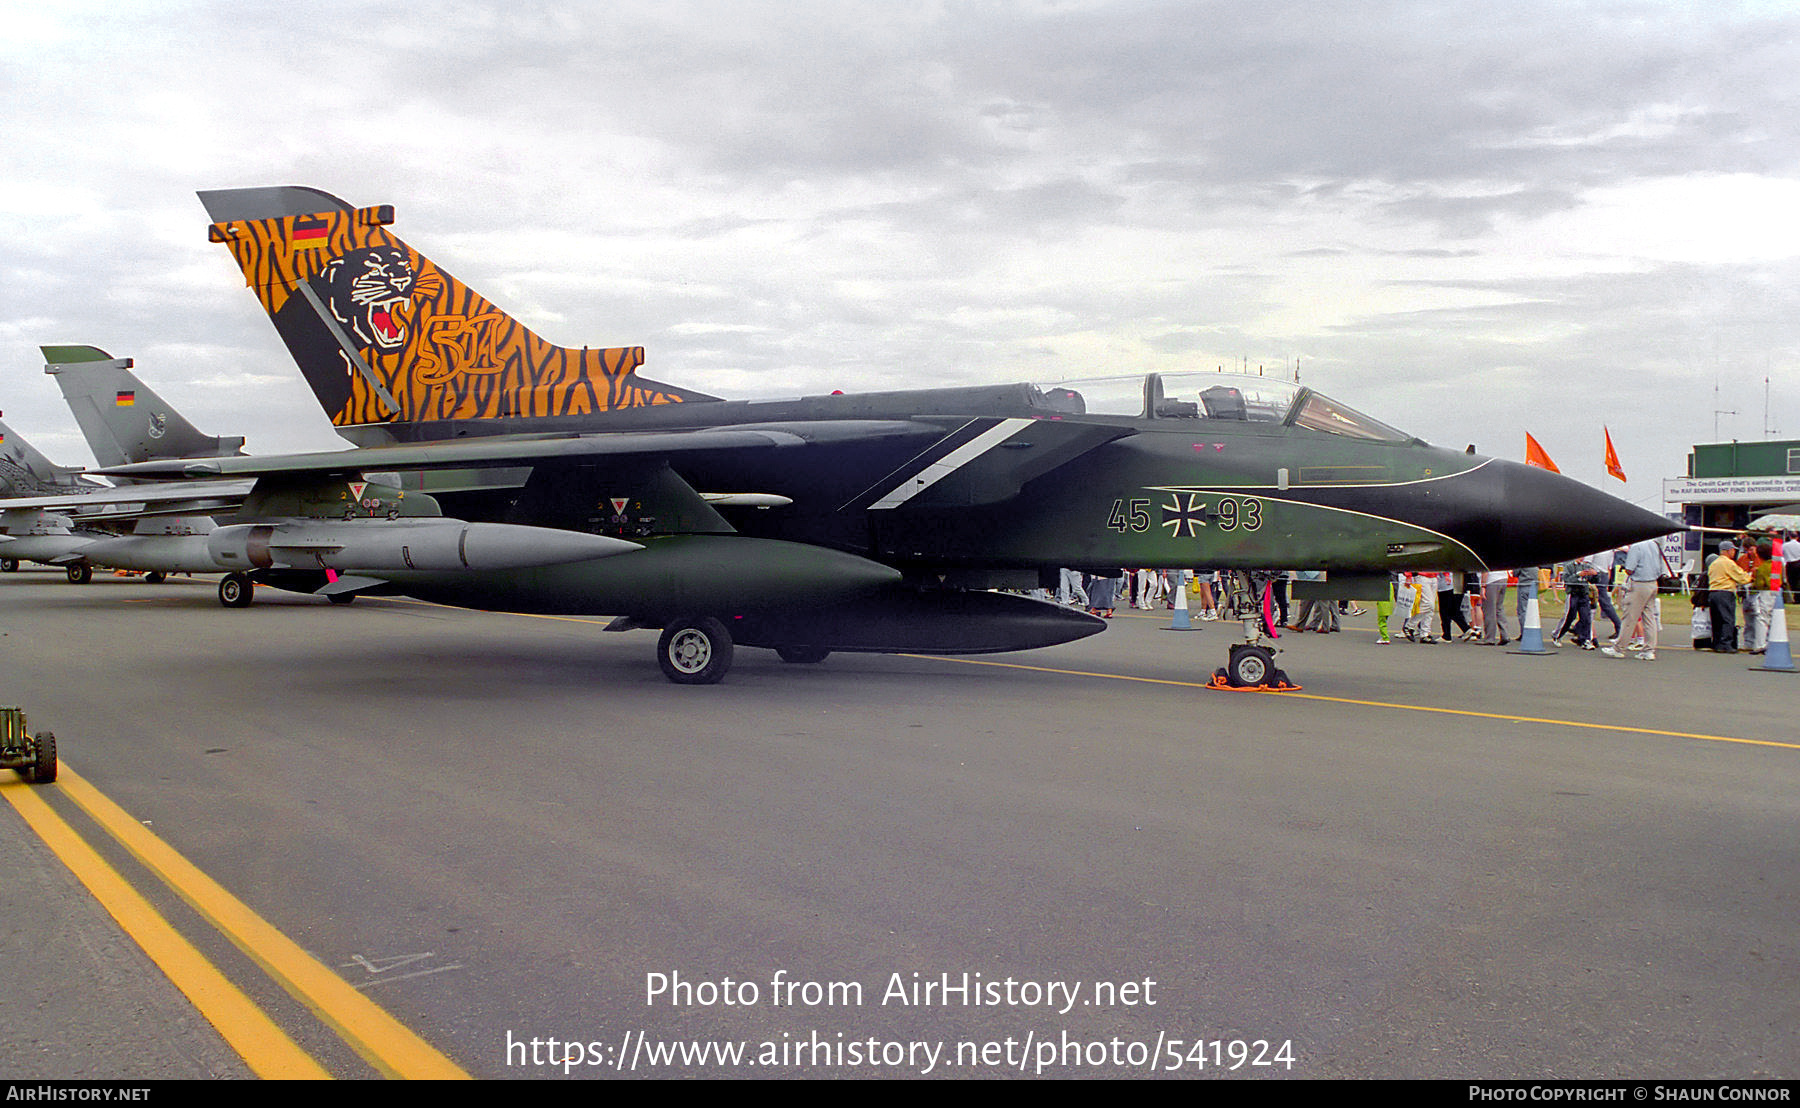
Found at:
<point>1723,578</point>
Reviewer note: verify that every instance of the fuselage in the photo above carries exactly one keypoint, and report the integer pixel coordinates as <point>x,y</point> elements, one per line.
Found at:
<point>1187,471</point>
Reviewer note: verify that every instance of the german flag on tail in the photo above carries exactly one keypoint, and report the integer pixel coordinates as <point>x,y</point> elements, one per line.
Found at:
<point>310,231</point>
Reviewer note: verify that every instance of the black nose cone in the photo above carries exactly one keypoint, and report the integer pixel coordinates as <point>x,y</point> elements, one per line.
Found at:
<point>1536,517</point>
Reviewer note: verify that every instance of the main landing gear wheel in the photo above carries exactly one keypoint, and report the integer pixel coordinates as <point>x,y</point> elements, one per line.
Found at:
<point>695,651</point>
<point>802,655</point>
<point>80,573</point>
<point>341,597</point>
<point>9,565</point>
<point>236,591</point>
<point>155,577</point>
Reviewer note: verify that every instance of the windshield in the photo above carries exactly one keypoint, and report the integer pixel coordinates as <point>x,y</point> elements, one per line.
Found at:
<point>1321,413</point>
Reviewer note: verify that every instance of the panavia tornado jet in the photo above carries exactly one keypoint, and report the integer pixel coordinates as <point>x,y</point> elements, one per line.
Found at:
<point>25,471</point>
<point>61,519</point>
<point>305,535</point>
<point>873,522</point>
<point>122,418</point>
<point>32,535</point>
<point>308,535</point>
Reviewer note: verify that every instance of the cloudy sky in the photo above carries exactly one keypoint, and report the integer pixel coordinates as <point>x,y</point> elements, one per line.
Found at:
<point>1471,221</point>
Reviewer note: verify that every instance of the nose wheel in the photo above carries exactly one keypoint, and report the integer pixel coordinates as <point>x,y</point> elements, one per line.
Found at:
<point>1252,667</point>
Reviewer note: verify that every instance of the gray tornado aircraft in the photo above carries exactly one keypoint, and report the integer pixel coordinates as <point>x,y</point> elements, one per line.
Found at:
<point>58,519</point>
<point>31,535</point>
<point>25,471</point>
<point>873,522</point>
<point>123,419</point>
<point>305,534</point>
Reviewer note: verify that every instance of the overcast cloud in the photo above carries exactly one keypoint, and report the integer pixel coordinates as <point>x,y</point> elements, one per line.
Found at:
<point>1469,221</point>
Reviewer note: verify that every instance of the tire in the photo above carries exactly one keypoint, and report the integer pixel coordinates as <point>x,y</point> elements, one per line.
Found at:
<point>694,651</point>
<point>1251,665</point>
<point>802,655</point>
<point>236,591</point>
<point>155,577</point>
<point>42,770</point>
<point>341,597</point>
<point>9,565</point>
<point>80,573</point>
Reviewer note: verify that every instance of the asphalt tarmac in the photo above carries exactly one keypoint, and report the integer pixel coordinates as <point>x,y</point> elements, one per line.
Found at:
<point>1435,861</point>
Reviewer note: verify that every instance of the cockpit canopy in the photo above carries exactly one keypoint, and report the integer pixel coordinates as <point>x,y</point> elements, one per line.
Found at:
<point>1216,396</point>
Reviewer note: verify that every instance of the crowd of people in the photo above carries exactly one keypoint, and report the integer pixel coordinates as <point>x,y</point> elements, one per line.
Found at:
<point>1146,589</point>
<point>1619,587</point>
<point>1753,569</point>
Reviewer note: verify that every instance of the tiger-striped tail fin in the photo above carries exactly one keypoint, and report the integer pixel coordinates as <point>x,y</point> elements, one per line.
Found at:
<point>388,339</point>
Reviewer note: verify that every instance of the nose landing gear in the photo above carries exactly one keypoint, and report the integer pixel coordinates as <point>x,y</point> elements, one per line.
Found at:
<point>1251,667</point>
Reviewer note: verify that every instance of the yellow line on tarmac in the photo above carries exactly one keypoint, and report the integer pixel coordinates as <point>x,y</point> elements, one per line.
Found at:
<point>1064,672</point>
<point>1378,703</point>
<point>383,1041</point>
<point>266,1048</point>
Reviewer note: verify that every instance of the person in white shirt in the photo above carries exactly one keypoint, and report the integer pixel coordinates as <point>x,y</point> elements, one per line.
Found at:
<point>1644,566</point>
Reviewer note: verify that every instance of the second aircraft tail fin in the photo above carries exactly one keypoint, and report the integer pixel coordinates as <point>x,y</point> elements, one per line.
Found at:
<point>123,419</point>
<point>24,471</point>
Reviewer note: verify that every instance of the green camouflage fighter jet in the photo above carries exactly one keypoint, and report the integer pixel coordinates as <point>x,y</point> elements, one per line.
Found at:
<point>871,522</point>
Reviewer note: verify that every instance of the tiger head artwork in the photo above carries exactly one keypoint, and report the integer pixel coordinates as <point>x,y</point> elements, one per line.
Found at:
<point>367,291</point>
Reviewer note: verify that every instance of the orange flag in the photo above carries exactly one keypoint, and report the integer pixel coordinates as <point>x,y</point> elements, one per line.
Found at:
<point>1535,456</point>
<point>1612,458</point>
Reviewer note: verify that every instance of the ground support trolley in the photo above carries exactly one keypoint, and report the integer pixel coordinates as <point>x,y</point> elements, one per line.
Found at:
<point>34,756</point>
